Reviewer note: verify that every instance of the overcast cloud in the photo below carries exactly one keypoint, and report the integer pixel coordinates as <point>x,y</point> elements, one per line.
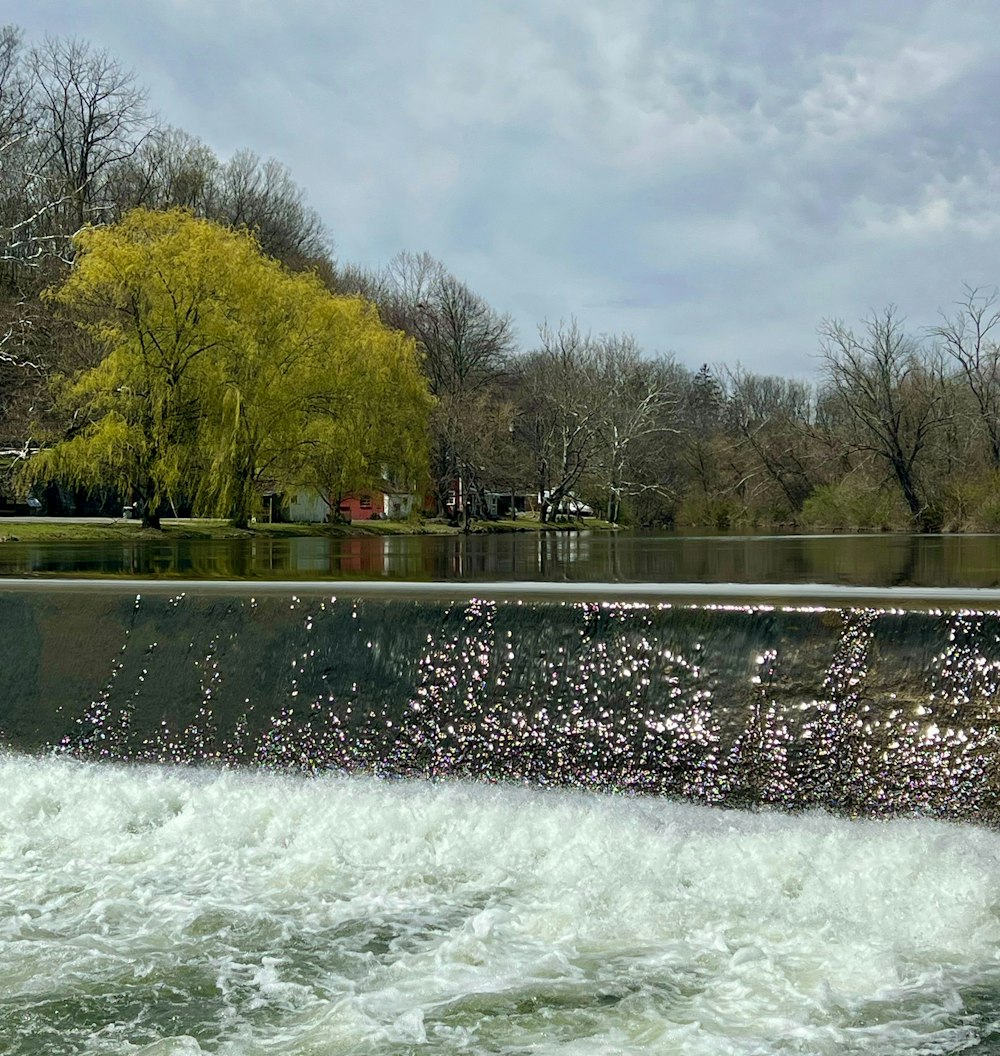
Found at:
<point>714,177</point>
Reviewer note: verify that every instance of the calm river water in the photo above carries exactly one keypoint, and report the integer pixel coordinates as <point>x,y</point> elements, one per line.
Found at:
<point>612,557</point>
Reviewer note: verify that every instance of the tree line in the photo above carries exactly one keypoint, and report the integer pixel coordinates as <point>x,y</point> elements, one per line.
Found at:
<point>898,429</point>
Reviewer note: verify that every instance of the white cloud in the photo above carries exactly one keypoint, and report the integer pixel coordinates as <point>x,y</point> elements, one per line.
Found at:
<point>715,177</point>
<point>860,96</point>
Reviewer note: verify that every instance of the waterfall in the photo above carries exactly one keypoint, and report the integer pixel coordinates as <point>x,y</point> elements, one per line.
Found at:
<point>858,709</point>
<point>316,817</point>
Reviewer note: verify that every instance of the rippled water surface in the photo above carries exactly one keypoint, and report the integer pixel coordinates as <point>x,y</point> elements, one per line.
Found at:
<point>162,910</point>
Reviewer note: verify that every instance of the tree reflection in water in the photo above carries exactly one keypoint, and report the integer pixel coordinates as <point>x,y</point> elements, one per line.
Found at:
<point>869,560</point>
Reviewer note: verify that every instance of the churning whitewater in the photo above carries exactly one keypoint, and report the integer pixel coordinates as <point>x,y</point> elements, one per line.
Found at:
<point>170,910</point>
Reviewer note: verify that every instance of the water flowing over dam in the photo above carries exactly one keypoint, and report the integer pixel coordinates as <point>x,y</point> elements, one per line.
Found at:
<point>660,820</point>
<point>854,708</point>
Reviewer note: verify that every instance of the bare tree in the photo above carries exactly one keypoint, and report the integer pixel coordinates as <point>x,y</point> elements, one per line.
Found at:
<point>465,342</point>
<point>702,418</point>
<point>970,337</point>
<point>24,213</point>
<point>356,280</point>
<point>893,396</point>
<point>170,168</point>
<point>479,434</point>
<point>771,417</point>
<point>91,115</point>
<point>30,237</point>
<point>559,424</point>
<point>465,346</point>
<point>263,197</point>
<point>13,88</point>
<point>173,168</point>
<point>637,399</point>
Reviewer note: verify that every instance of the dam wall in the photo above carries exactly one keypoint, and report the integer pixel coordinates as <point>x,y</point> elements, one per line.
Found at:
<point>854,707</point>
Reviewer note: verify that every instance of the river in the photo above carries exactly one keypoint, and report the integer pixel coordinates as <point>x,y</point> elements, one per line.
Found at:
<point>884,560</point>
<point>282,817</point>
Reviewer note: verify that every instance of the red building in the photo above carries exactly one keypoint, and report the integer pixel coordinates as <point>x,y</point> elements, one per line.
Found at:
<point>362,507</point>
<point>308,505</point>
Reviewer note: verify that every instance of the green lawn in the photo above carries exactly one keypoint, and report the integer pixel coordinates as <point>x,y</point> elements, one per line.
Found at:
<point>103,528</point>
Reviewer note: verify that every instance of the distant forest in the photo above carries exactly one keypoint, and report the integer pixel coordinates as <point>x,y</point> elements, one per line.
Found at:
<point>901,429</point>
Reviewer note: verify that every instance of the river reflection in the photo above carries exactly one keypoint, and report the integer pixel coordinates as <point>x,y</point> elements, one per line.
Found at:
<point>875,560</point>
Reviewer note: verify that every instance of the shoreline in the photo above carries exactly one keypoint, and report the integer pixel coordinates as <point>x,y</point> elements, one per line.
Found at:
<point>108,529</point>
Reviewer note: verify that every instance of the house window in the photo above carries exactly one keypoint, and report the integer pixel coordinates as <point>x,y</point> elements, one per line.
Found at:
<point>366,502</point>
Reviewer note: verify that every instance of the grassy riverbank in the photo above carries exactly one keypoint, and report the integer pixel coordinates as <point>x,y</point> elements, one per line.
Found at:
<point>108,529</point>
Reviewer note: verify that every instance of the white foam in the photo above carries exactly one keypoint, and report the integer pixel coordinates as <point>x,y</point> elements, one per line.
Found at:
<point>245,913</point>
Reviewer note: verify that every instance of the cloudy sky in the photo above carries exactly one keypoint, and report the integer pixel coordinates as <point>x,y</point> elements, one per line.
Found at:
<point>712,176</point>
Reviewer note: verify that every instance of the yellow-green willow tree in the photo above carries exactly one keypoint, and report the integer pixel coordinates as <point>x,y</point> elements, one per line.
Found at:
<point>223,374</point>
<point>376,436</point>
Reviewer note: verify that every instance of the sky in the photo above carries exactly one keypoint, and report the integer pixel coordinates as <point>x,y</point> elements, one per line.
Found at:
<point>714,177</point>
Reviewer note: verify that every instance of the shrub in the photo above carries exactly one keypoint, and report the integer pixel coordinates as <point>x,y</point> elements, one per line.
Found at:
<point>855,503</point>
